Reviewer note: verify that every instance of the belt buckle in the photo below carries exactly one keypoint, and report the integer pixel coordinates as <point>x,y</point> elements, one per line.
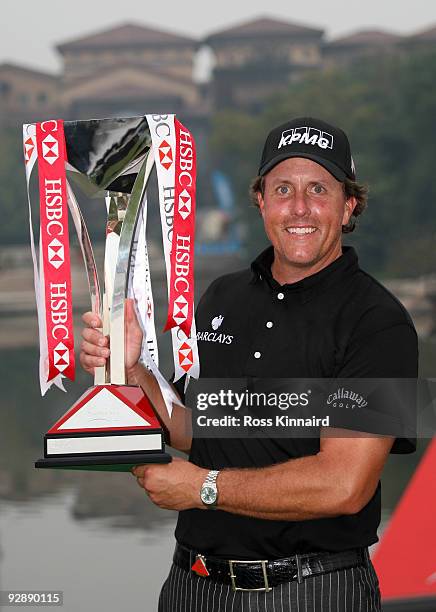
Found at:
<point>263,563</point>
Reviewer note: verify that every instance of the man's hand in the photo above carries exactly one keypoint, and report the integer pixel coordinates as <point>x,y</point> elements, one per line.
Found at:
<point>173,486</point>
<point>94,349</point>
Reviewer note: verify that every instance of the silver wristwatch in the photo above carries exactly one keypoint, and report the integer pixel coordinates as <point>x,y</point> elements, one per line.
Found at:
<point>209,490</point>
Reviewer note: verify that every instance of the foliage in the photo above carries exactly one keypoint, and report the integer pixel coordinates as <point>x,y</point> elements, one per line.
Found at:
<point>13,198</point>
<point>387,106</point>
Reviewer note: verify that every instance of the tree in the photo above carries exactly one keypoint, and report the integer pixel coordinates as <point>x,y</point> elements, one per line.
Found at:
<point>387,107</point>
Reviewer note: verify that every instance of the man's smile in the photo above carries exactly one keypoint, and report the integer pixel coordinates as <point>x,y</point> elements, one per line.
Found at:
<point>301,230</point>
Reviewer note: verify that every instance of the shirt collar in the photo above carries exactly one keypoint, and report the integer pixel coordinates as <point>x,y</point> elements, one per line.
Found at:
<point>311,285</point>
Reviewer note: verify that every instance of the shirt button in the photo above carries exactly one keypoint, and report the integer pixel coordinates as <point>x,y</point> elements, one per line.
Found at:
<point>269,324</point>
<point>257,354</point>
<point>280,296</point>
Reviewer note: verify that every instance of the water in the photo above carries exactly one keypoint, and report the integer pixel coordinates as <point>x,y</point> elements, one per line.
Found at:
<point>96,565</point>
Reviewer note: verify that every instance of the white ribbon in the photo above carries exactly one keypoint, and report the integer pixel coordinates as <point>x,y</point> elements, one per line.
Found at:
<point>140,286</point>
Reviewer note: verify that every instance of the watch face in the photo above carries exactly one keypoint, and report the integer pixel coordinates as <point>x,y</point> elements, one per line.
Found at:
<point>208,495</point>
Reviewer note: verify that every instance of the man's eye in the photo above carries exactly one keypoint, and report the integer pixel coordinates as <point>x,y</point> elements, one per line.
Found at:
<point>318,189</point>
<point>283,190</point>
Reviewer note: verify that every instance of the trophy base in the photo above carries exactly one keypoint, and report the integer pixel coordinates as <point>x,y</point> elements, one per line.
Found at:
<point>103,463</point>
<point>110,428</point>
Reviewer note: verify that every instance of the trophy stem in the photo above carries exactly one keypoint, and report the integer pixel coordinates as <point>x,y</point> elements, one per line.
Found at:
<point>116,204</point>
<point>101,374</point>
<point>90,265</point>
<point>120,279</point>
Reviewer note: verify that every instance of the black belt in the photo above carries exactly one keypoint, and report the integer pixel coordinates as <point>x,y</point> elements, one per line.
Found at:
<point>262,575</point>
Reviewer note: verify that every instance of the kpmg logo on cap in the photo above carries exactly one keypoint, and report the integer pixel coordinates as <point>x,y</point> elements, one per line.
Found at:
<point>306,135</point>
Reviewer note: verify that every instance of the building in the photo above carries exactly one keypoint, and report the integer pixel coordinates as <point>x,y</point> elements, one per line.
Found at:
<point>26,94</point>
<point>343,51</point>
<point>424,40</point>
<point>131,69</point>
<point>127,70</point>
<point>256,59</point>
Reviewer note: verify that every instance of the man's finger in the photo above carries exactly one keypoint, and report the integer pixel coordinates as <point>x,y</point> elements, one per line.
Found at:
<point>94,336</point>
<point>97,351</point>
<point>91,319</point>
<point>139,470</point>
<point>89,361</point>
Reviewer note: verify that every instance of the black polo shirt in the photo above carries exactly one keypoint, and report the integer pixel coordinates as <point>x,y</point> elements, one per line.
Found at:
<point>337,323</point>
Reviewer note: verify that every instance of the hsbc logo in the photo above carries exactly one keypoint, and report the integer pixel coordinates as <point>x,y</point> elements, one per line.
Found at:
<point>306,135</point>
<point>186,358</point>
<point>61,357</point>
<point>165,155</point>
<point>50,149</point>
<point>180,309</point>
<point>184,205</point>
<point>56,253</point>
<point>29,147</point>
<point>149,308</point>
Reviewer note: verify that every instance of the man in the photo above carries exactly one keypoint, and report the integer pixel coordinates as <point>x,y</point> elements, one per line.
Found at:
<point>308,508</point>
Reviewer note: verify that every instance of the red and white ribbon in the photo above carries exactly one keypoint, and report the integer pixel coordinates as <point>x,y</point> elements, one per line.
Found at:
<point>55,248</point>
<point>175,160</point>
<point>181,281</point>
<point>30,158</point>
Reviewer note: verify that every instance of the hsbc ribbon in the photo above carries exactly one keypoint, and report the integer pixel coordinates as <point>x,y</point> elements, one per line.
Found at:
<point>55,249</point>
<point>175,160</point>
<point>30,157</point>
<point>181,281</point>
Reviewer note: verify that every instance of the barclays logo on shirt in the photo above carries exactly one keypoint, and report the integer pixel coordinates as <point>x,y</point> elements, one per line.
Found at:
<point>208,336</point>
<point>216,321</point>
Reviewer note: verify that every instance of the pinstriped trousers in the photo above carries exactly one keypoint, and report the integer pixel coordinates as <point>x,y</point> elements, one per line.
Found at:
<point>354,589</point>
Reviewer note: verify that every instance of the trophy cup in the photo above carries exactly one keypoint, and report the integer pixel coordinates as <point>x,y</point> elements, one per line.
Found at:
<point>113,425</point>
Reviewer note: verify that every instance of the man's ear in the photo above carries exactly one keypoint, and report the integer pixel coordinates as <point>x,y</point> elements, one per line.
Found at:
<point>350,205</point>
<point>261,202</point>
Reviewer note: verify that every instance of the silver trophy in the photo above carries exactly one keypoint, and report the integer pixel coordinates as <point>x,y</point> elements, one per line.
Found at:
<point>113,425</point>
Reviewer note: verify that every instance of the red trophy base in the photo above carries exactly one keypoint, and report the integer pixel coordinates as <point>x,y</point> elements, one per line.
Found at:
<point>110,428</point>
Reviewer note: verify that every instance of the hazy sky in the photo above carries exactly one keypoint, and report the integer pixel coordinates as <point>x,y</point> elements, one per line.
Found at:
<point>31,29</point>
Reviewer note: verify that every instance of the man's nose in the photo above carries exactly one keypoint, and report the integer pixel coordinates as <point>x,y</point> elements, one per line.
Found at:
<point>300,204</point>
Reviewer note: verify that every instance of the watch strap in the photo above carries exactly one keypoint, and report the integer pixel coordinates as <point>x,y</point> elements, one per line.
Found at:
<point>211,478</point>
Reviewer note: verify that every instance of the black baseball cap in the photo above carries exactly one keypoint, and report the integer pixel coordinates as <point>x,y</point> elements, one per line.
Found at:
<point>313,139</point>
